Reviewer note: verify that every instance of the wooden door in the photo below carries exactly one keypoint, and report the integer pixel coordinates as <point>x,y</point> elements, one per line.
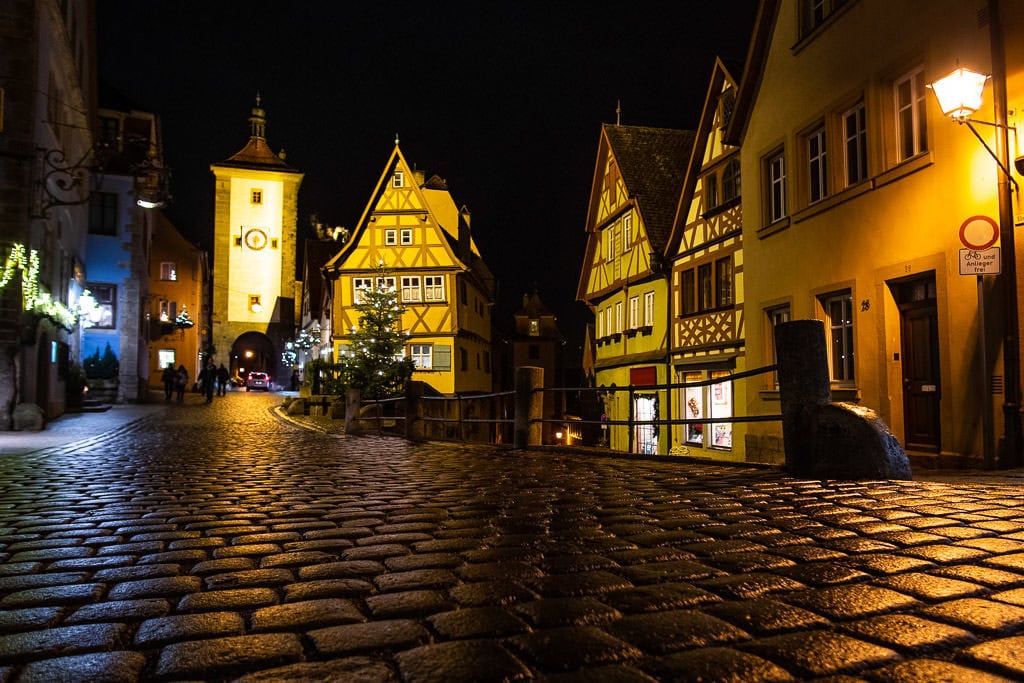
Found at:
<point>922,390</point>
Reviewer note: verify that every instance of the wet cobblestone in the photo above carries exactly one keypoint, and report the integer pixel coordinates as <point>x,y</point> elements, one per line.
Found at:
<point>224,542</point>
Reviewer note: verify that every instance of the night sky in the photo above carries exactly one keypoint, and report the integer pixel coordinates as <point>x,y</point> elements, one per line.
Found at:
<point>504,100</point>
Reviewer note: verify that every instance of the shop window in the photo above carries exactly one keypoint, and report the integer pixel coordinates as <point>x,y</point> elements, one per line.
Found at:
<point>708,402</point>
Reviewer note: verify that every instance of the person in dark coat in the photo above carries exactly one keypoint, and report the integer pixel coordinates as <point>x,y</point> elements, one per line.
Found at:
<point>180,382</point>
<point>222,380</point>
<point>208,377</point>
<point>168,379</point>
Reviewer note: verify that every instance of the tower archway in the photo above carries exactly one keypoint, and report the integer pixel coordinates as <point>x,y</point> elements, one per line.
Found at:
<point>253,351</point>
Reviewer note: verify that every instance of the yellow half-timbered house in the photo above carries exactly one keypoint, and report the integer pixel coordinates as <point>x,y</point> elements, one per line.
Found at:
<point>413,227</point>
<point>638,176</point>
<point>706,252</point>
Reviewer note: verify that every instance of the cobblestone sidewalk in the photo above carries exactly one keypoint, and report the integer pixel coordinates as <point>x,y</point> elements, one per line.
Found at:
<point>220,543</point>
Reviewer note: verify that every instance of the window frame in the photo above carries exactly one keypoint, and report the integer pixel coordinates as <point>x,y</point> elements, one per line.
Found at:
<point>731,180</point>
<point>725,282</point>
<point>816,149</point>
<point>168,271</point>
<point>105,295</point>
<point>391,237</point>
<point>775,176</point>
<point>649,309</point>
<point>841,348</point>
<point>775,316</point>
<point>412,291</point>
<point>433,291</point>
<point>398,179</point>
<point>419,352</point>
<point>256,196</point>
<point>634,312</point>
<point>688,292</point>
<point>916,126</point>
<point>618,317</point>
<point>709,186</point>
<point>360,285</point>
<point>405,237</point>
<point>103,209</point>
<point>705,287</point>
<point>855,145</point>
<point>627,232</point>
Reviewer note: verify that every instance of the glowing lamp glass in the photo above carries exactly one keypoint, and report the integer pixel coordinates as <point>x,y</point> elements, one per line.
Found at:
<point>959,93</point>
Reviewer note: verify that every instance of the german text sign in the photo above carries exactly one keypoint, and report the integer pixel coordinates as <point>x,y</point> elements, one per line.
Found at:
<point>980,261</point>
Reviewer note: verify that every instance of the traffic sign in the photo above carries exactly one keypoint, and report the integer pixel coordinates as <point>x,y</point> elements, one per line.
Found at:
<point>983,262</point>
<point>979,233</point>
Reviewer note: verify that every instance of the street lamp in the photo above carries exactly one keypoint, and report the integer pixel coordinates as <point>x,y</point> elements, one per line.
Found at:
<point>959,95</point>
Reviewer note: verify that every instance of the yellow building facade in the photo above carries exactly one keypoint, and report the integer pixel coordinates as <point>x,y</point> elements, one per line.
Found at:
<point>256,200</point>
<point>857,191</point>
<point>412,226</point>
<point>706,253</point>
<point>637,180</point>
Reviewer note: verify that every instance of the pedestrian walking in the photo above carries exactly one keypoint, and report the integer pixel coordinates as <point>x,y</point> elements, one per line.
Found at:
<point>222,380</point>
<point>207,378</point>
<point>168,379</point>
<point>180,382</point>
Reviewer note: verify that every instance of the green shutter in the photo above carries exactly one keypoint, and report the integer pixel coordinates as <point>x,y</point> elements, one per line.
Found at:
<point>442,357</point>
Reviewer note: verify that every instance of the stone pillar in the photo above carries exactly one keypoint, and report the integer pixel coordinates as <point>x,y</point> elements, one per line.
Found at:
<point>414,411</point>
<point>529,406</point>
<point>803,388</point>
<point>352,406</point>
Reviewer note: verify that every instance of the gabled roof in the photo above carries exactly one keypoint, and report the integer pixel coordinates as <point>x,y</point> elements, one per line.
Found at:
<point>720,75</point>
<point>652,162</point>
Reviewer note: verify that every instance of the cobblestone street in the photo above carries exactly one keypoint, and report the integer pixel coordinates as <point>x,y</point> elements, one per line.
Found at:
<point>222,542</point>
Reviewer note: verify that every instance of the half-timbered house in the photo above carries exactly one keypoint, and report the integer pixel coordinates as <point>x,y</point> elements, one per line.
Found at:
<point>412,226</point>
<point>638,176</point>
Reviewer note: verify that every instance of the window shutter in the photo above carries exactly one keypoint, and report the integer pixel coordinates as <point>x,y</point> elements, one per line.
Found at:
<point>442,357</point>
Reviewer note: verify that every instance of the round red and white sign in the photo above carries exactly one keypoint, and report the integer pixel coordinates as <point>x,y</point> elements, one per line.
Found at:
<point>979,232</point>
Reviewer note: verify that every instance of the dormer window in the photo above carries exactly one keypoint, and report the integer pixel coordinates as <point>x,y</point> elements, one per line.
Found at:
<point>398,180</point>
<point>534,327</point>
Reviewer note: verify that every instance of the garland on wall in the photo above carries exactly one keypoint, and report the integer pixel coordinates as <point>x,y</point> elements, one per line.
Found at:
<point>34,300</point>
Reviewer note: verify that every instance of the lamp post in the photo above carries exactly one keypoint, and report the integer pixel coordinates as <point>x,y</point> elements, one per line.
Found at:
<point>959,95</point>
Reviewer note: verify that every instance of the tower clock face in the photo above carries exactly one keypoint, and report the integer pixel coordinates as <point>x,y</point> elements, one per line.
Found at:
<point>255,239</point>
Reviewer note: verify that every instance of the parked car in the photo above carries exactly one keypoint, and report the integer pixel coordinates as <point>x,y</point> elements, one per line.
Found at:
<point>257,380</point>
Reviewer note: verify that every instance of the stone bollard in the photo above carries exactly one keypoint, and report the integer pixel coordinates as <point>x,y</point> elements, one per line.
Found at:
<point>414,411</point>
<point>353,402</point>
<point>822,439</point>
<point>529,405</point>
<point>803,386</point>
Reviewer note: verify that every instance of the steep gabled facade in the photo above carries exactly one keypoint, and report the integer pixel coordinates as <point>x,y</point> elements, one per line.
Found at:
<point>706,253</point>
<point>413,227</point>
<point>637,180</point>
<point>857,191</point>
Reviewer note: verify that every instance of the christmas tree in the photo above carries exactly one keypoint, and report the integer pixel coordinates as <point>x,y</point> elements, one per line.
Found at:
<point>374,361</point>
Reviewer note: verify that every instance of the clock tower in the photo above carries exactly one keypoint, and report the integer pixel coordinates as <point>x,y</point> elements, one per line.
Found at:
<point>255,207</point>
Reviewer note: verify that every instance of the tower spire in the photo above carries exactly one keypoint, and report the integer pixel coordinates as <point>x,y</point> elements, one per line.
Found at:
<point>258,120</point>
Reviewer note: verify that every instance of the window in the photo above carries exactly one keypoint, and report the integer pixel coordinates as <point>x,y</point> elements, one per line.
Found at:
<point>166,357</point>
<point>422,356</point>
<point>710,191</point>
<point>599,323</point>
<point>705,288</point>
<point>359,287</point>
<point>731,180</point>
<point>911,121</point>
<point>386,284</point>
<point>609,324</point>
<point>398,180</point>
<point>487,361</point>
<point>533,351</point>
<point>856,139</point>
<point>106,303</point>
<point>813,13</point>
<point>406,236</point>
<point>255,303</point>
<point>433,288</point>
<point>257,197</point>
<point>169,271</point>
<point>714,400</point>
<point>618,317</point>
<point>839,319</point>
<point>688,293</point>
<point>634,312</point>
<point>627,232</point>
<point>168,311</point>
<point>776,316</point>
<point>817,165</point>
<point>534,327</point>
<point>723,282</point>
<point>463,359</point>
<point>776,187</point>
<point>109,131</point>
<point>442,357</point>
<point>609,234</point>
<point>390,237</point>
<point>649,309</point>
<point>411,288</point>
<point>103,213</point>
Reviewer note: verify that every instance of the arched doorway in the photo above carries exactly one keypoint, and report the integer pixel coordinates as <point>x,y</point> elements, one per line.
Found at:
<point>253,351</point>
